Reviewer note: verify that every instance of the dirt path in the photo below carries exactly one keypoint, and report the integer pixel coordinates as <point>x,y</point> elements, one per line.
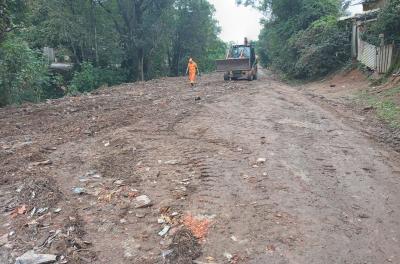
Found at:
<point>274,177</point>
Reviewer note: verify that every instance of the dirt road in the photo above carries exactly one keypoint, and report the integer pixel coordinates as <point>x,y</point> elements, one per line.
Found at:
<point>269,174</point>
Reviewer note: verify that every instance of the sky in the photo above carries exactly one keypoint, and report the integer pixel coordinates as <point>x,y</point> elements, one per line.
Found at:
<point>238,22</point>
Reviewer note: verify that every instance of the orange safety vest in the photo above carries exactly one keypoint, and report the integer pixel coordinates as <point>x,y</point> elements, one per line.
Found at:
<point>192,66</point>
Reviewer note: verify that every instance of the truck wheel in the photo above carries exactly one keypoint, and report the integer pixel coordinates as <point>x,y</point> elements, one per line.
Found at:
<point>250,77</point>
<point>226,77</point>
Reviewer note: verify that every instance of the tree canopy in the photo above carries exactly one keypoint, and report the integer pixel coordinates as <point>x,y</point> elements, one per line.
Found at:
<point>302,38</point>
<point>108,41</point>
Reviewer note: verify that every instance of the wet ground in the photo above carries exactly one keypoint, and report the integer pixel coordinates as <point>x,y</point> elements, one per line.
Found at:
<point>237,172</point>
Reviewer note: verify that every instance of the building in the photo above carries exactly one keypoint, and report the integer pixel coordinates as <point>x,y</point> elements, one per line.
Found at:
<point>378,58</point>
<point>369,5</point>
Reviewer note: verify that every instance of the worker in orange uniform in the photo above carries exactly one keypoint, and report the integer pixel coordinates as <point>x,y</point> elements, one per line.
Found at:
<point>192,69</point>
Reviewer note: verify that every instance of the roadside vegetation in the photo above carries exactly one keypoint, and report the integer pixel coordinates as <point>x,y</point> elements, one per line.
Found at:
<point>385,102</point>
<point>108,42</point>
<point>303,38</point>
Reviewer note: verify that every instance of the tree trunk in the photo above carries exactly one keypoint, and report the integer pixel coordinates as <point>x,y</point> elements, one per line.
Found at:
<point>141,64</point>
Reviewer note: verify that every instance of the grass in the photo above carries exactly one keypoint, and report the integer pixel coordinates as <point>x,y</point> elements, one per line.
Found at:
<point>386,107</point>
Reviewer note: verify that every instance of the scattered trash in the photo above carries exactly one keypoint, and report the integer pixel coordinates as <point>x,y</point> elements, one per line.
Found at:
<point>234,238</point>
<point>166,253</point>
<point>270,248</point>
<point>19,211</point>
<point>197,98</point>
<point>79,190</point>
<point>122,221</point>
<point>160,220</point>
<point>42,163</point>
<point>171,162</point>
<point>199,227</point>
<point>332,85</point>
<point>184,248</point>
<point>50,238</point>
<point>119,182</point>
<point>57,210</point>
<point>106,144</point>
<point>164,231</point>
<point>368,108</point>
<point>31,258</point>
<point>209,259</point>
<point>261,160</point>
<point>175,214</point>
<point>228,256</point>
<point>142,201</point>
<point>42,210</point>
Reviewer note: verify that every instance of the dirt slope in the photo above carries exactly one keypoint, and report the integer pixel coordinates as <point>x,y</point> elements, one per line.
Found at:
<point>259,172</point>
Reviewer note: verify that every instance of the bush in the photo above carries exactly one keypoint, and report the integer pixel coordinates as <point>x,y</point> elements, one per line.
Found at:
<point>322,48</point>
<point>388,23</point>
<point>302,38</point>
<point>23,73</point>
<point>90,78</point>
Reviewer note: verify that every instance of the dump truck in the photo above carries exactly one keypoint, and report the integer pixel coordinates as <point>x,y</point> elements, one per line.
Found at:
<point>240,62</point>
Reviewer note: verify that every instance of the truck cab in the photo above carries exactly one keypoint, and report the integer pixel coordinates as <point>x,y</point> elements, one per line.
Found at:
<point>240,62</point>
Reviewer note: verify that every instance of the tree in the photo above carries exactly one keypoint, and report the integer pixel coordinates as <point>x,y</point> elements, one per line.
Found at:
<point>195,35</point>
<point>302,38</point>
<point>11,13</point>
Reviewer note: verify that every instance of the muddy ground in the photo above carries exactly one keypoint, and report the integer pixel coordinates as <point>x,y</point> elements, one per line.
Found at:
<point>237,172</point>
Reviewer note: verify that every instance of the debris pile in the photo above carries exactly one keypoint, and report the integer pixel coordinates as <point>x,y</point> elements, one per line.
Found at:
<point>184,248</point>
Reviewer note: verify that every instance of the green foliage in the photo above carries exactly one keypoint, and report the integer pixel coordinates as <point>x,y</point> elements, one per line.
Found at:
<point>195,36</point>
<point>322,48</point>
<point>86,79</point>
<point>388,23</point>
<point>302,38</point>
<point>385,103</point>
<point>23,73</point>
<point>109,42</point>
<point>89,78</point>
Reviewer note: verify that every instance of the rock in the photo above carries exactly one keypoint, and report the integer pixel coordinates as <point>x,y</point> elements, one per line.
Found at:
<point>31,258</point>
<point>79,190</point>
<point>119,182</point>
<point>3,239</point>
<point>142,201</point>
<point>140,215</point>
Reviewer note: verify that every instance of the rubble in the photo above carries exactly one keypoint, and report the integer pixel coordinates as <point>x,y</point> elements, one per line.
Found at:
<point>164,231</point>
<point>3,239</point>
<point>31,257</point>
<point>197,225</point>
<point>79,190</point>
<point>142,201</point>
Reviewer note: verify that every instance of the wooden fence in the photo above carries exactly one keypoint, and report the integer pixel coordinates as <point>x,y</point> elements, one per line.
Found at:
<point>379,59</point>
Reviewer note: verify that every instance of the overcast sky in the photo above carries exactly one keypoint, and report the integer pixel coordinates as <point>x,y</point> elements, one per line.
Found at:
<point>238,22</point>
